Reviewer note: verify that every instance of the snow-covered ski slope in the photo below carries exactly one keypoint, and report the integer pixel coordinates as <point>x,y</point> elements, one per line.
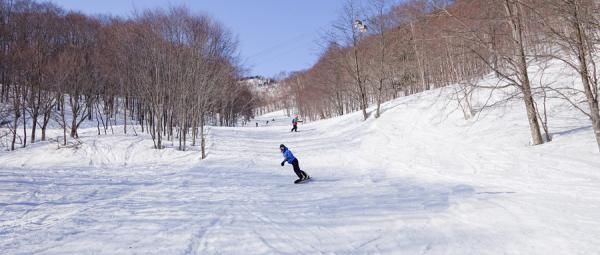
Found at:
<point>418,180</point>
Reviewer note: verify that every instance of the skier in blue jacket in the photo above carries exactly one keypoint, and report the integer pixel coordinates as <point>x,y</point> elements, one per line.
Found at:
<point>289,157</point>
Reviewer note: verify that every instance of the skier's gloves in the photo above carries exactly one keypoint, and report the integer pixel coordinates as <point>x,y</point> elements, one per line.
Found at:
<point>282,163</point>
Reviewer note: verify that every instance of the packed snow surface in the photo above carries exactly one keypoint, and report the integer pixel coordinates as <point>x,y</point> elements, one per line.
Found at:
<point>418,180</point>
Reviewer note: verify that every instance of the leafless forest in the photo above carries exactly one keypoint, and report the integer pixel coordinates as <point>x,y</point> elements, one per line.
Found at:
<point>169,71</point>
<point>378,51</point>
<point>172,72</point>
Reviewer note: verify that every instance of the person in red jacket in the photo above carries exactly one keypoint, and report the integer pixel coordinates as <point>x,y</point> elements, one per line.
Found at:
<point>295,124</point>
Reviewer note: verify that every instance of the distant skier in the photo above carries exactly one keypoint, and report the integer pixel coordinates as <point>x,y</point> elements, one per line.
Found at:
<point>295,121</point>
<point>289,157</point>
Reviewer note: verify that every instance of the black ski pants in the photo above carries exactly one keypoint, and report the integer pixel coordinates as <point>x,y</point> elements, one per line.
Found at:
<point>301,174</point>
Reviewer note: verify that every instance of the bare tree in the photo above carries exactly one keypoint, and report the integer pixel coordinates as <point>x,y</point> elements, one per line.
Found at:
<point>380,25</point>
<point>350,29</point>
<point>574,26</point>
<point>167,69</point>
<point>515,56</point>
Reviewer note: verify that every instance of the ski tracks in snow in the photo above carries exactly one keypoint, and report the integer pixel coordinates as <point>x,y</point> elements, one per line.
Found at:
<point>238,201</point>
<point>386,190</point>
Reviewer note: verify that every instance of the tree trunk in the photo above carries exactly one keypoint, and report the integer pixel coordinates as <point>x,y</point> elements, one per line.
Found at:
<point>184,137</point>
<point>514,19</point>
<point>194,132</point>
<point>64,121</point>
<point>24,126</point>
<point>159,127</point>
<point>47,114</point>
<point>34,118</point>
<point>74,101</point>
<point>361,89</point>
<point>418,58</point>
<point>590,89</point>
<point>34,115</point>
<point>15,126</point>
<point>125,115</point>
<point>74,126</point>
<point>379,97</point>
<point>529,103</point>
<point>202,140</point>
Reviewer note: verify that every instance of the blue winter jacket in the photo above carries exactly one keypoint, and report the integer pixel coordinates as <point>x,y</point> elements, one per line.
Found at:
<point>287,154</point>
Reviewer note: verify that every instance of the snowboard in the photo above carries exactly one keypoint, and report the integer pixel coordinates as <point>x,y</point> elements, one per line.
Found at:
<point>302,181</point>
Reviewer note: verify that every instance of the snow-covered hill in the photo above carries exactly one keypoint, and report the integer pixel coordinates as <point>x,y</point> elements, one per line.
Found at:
<point>418,180</point>
<point>259,84</point>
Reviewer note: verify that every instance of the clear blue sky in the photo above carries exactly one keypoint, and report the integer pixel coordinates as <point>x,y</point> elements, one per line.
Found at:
<point>274,35</point>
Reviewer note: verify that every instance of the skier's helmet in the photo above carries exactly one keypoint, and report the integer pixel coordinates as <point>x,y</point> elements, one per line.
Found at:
<point>281,147</point>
